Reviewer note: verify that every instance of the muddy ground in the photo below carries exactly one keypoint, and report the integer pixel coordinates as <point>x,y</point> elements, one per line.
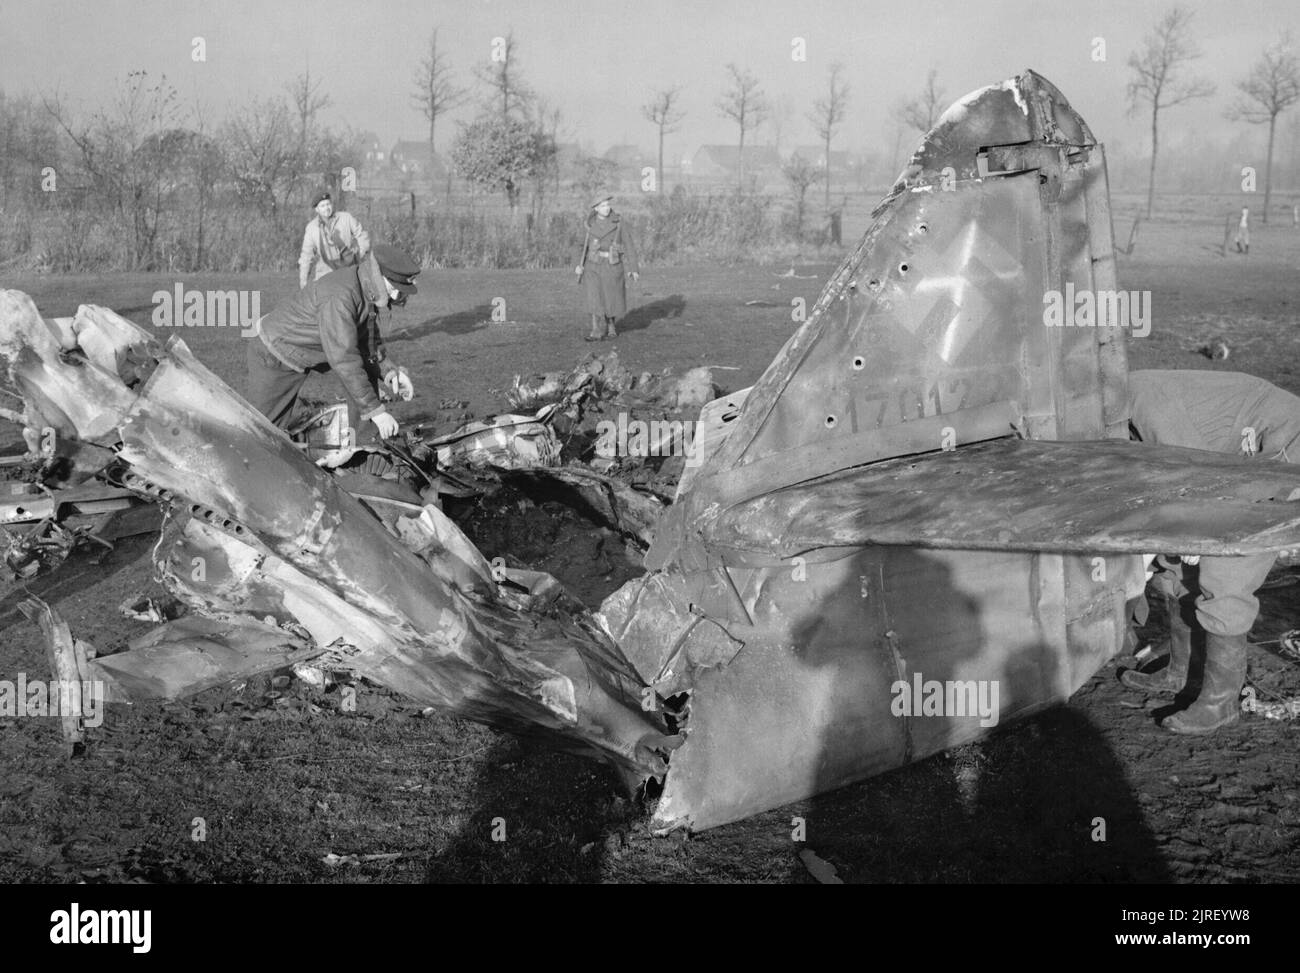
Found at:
<point>282,777</point>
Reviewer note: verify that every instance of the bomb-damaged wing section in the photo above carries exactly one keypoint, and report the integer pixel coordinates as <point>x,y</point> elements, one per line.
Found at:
<point>1107,497</point>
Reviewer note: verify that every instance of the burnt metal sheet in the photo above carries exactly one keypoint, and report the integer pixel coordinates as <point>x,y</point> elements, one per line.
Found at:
<point>1013,495</point>
<point>270,527</point>
<point>808,704</point>
<point>195,653</point>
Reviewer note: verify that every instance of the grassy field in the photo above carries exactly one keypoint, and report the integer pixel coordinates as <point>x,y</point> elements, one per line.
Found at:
<point>282,779</point>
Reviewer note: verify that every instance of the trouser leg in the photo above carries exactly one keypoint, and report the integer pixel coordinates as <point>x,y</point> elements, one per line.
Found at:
<point>1226,604</point>
<point>1225,609</point>
<point>364,431</point>
<point>1173,676</point>
<point>273,387</point>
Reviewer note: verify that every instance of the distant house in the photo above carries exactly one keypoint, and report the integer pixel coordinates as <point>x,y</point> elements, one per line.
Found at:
<point>720,162</point>
<point>568,153</point>
<point>415,159</point>
<point>568,158</point>
<point>372,151</point>
<point>628,156</point>
<point>816,155</point>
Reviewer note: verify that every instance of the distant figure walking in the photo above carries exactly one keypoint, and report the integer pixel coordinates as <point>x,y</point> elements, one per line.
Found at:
<point>608,258</point>
<point>331,240</point>
<point>1242,239</point>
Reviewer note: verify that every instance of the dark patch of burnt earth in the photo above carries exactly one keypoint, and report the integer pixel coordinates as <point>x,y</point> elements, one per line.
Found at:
<point>589,559</point>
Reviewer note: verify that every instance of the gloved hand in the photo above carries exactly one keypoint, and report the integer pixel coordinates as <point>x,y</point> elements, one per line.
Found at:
<point>399,383</point>
<point>386,425</point>
<point>578,270</point>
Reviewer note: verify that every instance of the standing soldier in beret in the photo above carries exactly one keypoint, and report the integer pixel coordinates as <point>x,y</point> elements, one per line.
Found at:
<point>333,324</point>
<point>608,255</point>
<point>332,240</point>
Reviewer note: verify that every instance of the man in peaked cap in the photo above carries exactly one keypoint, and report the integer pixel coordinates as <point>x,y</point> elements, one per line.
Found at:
<point>333,324</point>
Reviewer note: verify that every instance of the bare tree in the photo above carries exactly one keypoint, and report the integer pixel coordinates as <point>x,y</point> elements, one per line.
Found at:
<point>800,174</point>
<point>206,161</point>
<point>745,105</point>
<point>259,154</point>
<point>778,121</point>
<point>546,121</point>
<point>1158,70</point>
<point>662,112</point>
<point>922,112</point>
<point>1272,87</point>
<point>828,113</point>
<point>509,93</point>
<point>307,103</point>
<point>129,154</point>
<point>435,92</point>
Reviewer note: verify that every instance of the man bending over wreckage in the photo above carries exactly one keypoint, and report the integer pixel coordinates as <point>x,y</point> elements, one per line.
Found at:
<point>333,323</point>
<point>1211,604</point>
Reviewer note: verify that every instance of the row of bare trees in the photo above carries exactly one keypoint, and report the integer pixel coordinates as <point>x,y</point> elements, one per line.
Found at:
<point>1163,78</point>
<point>156,180</point>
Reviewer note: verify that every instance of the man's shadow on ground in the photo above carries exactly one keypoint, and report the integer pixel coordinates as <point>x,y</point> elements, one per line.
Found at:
<point>458,322</point>
<point>640,318</point>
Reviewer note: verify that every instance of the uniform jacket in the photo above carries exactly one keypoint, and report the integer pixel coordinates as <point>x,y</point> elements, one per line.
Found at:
<point>1226,412</point>
<point>324,244</point>
<point>333,321</point>
<point>605,233</point>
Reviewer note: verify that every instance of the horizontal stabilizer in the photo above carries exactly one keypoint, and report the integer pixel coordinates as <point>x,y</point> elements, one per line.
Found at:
<point>1109,496</point>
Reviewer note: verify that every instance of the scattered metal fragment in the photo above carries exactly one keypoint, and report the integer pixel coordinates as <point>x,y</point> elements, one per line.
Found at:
<point>70,666</point>
<point>819,868</point>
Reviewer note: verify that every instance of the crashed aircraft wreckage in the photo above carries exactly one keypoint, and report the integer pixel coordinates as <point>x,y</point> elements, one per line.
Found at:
<point>917,491</point>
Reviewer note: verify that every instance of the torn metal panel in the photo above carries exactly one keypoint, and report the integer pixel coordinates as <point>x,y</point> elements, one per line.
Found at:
<point>69,666</point>
<point>717,419</point>
<point>811,703</point>
<point>268,533</point>
<point>509,441</point>
<point>194,653</point>
<point>671,639</point>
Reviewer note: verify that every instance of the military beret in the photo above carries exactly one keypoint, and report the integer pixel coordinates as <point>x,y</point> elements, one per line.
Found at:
<point>602,199</point>
<point>397,266</point>
<point>320,195</point>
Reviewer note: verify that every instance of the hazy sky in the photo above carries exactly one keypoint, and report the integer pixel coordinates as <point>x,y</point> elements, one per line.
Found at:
<point>599,60</point>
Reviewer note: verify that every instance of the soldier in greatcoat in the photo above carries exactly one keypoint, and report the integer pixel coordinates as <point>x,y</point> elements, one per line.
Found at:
<point>608,258</point>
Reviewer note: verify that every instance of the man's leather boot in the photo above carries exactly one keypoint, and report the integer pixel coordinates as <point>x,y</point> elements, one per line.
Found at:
<point>1173,676</point>
<point>1219,702</point>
